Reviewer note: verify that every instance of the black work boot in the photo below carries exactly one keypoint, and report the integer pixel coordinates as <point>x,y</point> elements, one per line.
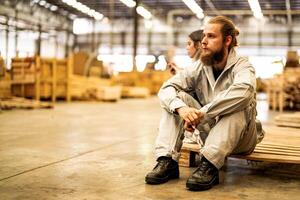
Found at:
<point>204,177</point>
<point>165,169</point>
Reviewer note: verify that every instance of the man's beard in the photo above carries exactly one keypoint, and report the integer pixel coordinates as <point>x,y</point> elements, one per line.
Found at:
<point>213,57</point>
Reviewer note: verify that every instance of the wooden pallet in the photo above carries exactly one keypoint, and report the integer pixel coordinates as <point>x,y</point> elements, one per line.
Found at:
<point>135,92</point>
<point>288,120</point>
<point>22,103</point>
<point>281,145</point>
<point>40,78</point>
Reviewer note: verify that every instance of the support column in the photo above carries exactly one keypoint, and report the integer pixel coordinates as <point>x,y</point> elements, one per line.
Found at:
<point>111,35</point>
<point>6,41</point>
<point>39,41</point>
<point>135,34</point>
<point>16,34</point>
<point>67,43</point>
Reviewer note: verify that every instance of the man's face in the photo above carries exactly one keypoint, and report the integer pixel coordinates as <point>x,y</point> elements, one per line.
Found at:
<point>213,47</point>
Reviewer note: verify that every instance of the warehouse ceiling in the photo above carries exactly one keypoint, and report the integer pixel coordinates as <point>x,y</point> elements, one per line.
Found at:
<point>159,8</point>
<point>115,9</point>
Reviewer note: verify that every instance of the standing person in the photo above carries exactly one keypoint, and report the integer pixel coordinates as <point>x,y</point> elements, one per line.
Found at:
<point>193,48</point>
<point>225,101</point>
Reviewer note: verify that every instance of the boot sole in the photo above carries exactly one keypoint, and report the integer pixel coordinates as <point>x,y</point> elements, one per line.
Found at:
<point>155,181</point>
<point>201,187</point>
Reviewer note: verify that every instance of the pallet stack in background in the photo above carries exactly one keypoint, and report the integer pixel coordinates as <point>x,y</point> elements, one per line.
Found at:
<point>284,89</point>
<point>78,77</point>
<point>141,84</point>
<point>41,78</point>
<point>5,83</point>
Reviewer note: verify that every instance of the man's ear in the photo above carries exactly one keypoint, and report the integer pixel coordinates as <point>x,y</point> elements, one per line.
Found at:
<point>228,40</point>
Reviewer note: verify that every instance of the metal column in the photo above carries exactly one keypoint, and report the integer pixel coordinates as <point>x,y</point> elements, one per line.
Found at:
<point>135,34</point>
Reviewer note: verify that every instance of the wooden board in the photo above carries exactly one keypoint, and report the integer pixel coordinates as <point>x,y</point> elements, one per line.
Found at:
<point>135,92</point>
<point>288,120</point>
<point>22,103</point>
<point>280,145</point>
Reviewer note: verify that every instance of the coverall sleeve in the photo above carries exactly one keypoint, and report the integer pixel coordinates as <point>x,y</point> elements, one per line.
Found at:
<point>236,97</point>
<point>183,81</point>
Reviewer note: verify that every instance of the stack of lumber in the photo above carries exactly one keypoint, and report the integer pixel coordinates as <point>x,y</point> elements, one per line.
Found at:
<point>22,103</point>
<point>135,92</point>
<point>5,86</point>
<point>150,80</point>
<point>292,89</point>
<point>284,90</point>
<point>288,120</point>
<point>40,78</point>
<point>280,145</point>
<point>153,80</point>
<point>53,78</point>
<point>92,88</point>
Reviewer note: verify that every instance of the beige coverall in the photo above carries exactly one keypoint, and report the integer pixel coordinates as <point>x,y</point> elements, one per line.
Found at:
<point>229,103</point>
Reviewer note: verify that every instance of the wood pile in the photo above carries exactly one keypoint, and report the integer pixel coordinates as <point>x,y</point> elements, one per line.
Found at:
<point>284,90</point>
<point>152,80</point>
<point>288,120</point>
<point>22,103</point>
<point>275,147</point>
<point>292,91</point>
<point>39,78</point>
<point>92,88</point>
<point>135,92</point>
<point>5,85</point>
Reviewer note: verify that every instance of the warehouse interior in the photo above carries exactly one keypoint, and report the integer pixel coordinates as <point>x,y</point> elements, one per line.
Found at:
<point>79,111</point>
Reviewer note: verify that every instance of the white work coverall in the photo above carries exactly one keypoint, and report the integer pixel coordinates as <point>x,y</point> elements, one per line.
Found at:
<point>228,103</point>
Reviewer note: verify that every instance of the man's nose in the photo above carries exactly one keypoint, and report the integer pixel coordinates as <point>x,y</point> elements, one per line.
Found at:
<point>204,41</point>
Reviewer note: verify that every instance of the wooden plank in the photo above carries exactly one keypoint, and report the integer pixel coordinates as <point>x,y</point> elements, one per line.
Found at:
<point>280,146</point>
<point>275,147</point>
<point>11,103</point>
<point>269,158</point>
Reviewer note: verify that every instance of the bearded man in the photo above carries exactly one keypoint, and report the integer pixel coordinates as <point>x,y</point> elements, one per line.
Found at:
<point>223,112</point>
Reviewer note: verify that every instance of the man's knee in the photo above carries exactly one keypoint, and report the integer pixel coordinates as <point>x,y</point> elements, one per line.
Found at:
<point>235,118</point>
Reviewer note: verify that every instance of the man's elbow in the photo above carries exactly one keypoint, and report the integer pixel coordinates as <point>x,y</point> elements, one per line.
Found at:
<point>248,93</point>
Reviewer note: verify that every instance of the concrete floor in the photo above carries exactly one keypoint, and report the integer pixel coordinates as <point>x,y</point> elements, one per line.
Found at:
<point>103,151</point>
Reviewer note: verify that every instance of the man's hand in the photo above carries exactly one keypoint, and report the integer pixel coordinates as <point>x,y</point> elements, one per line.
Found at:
<point>189,127</point>
<point>191,116</point>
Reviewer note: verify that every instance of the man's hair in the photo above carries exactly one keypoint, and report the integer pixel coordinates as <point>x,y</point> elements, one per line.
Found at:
<point>228,29</point>
<point>196,36</point>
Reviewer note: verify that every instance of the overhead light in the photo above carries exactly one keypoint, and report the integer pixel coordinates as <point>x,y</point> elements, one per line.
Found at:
<point>53,8</point>
<point>143,12</point>
<point>194,7</point>
<point>42,3</point>
<point>84,9</point>
<point>129,3</point>
<point>255,7</point>
<point>140,9</point>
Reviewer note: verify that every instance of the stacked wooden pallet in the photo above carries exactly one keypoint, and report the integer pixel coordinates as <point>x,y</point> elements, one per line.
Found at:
<point>22,103</point>
<point>279,145</point>
<point>137,83</point>
<point>92,88</point>
<point>288,120</point>
<point>284,90</point>
<point>5,86</point>
<point>135,92</point>
<point>36,77</point>
<point>46,78</point>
